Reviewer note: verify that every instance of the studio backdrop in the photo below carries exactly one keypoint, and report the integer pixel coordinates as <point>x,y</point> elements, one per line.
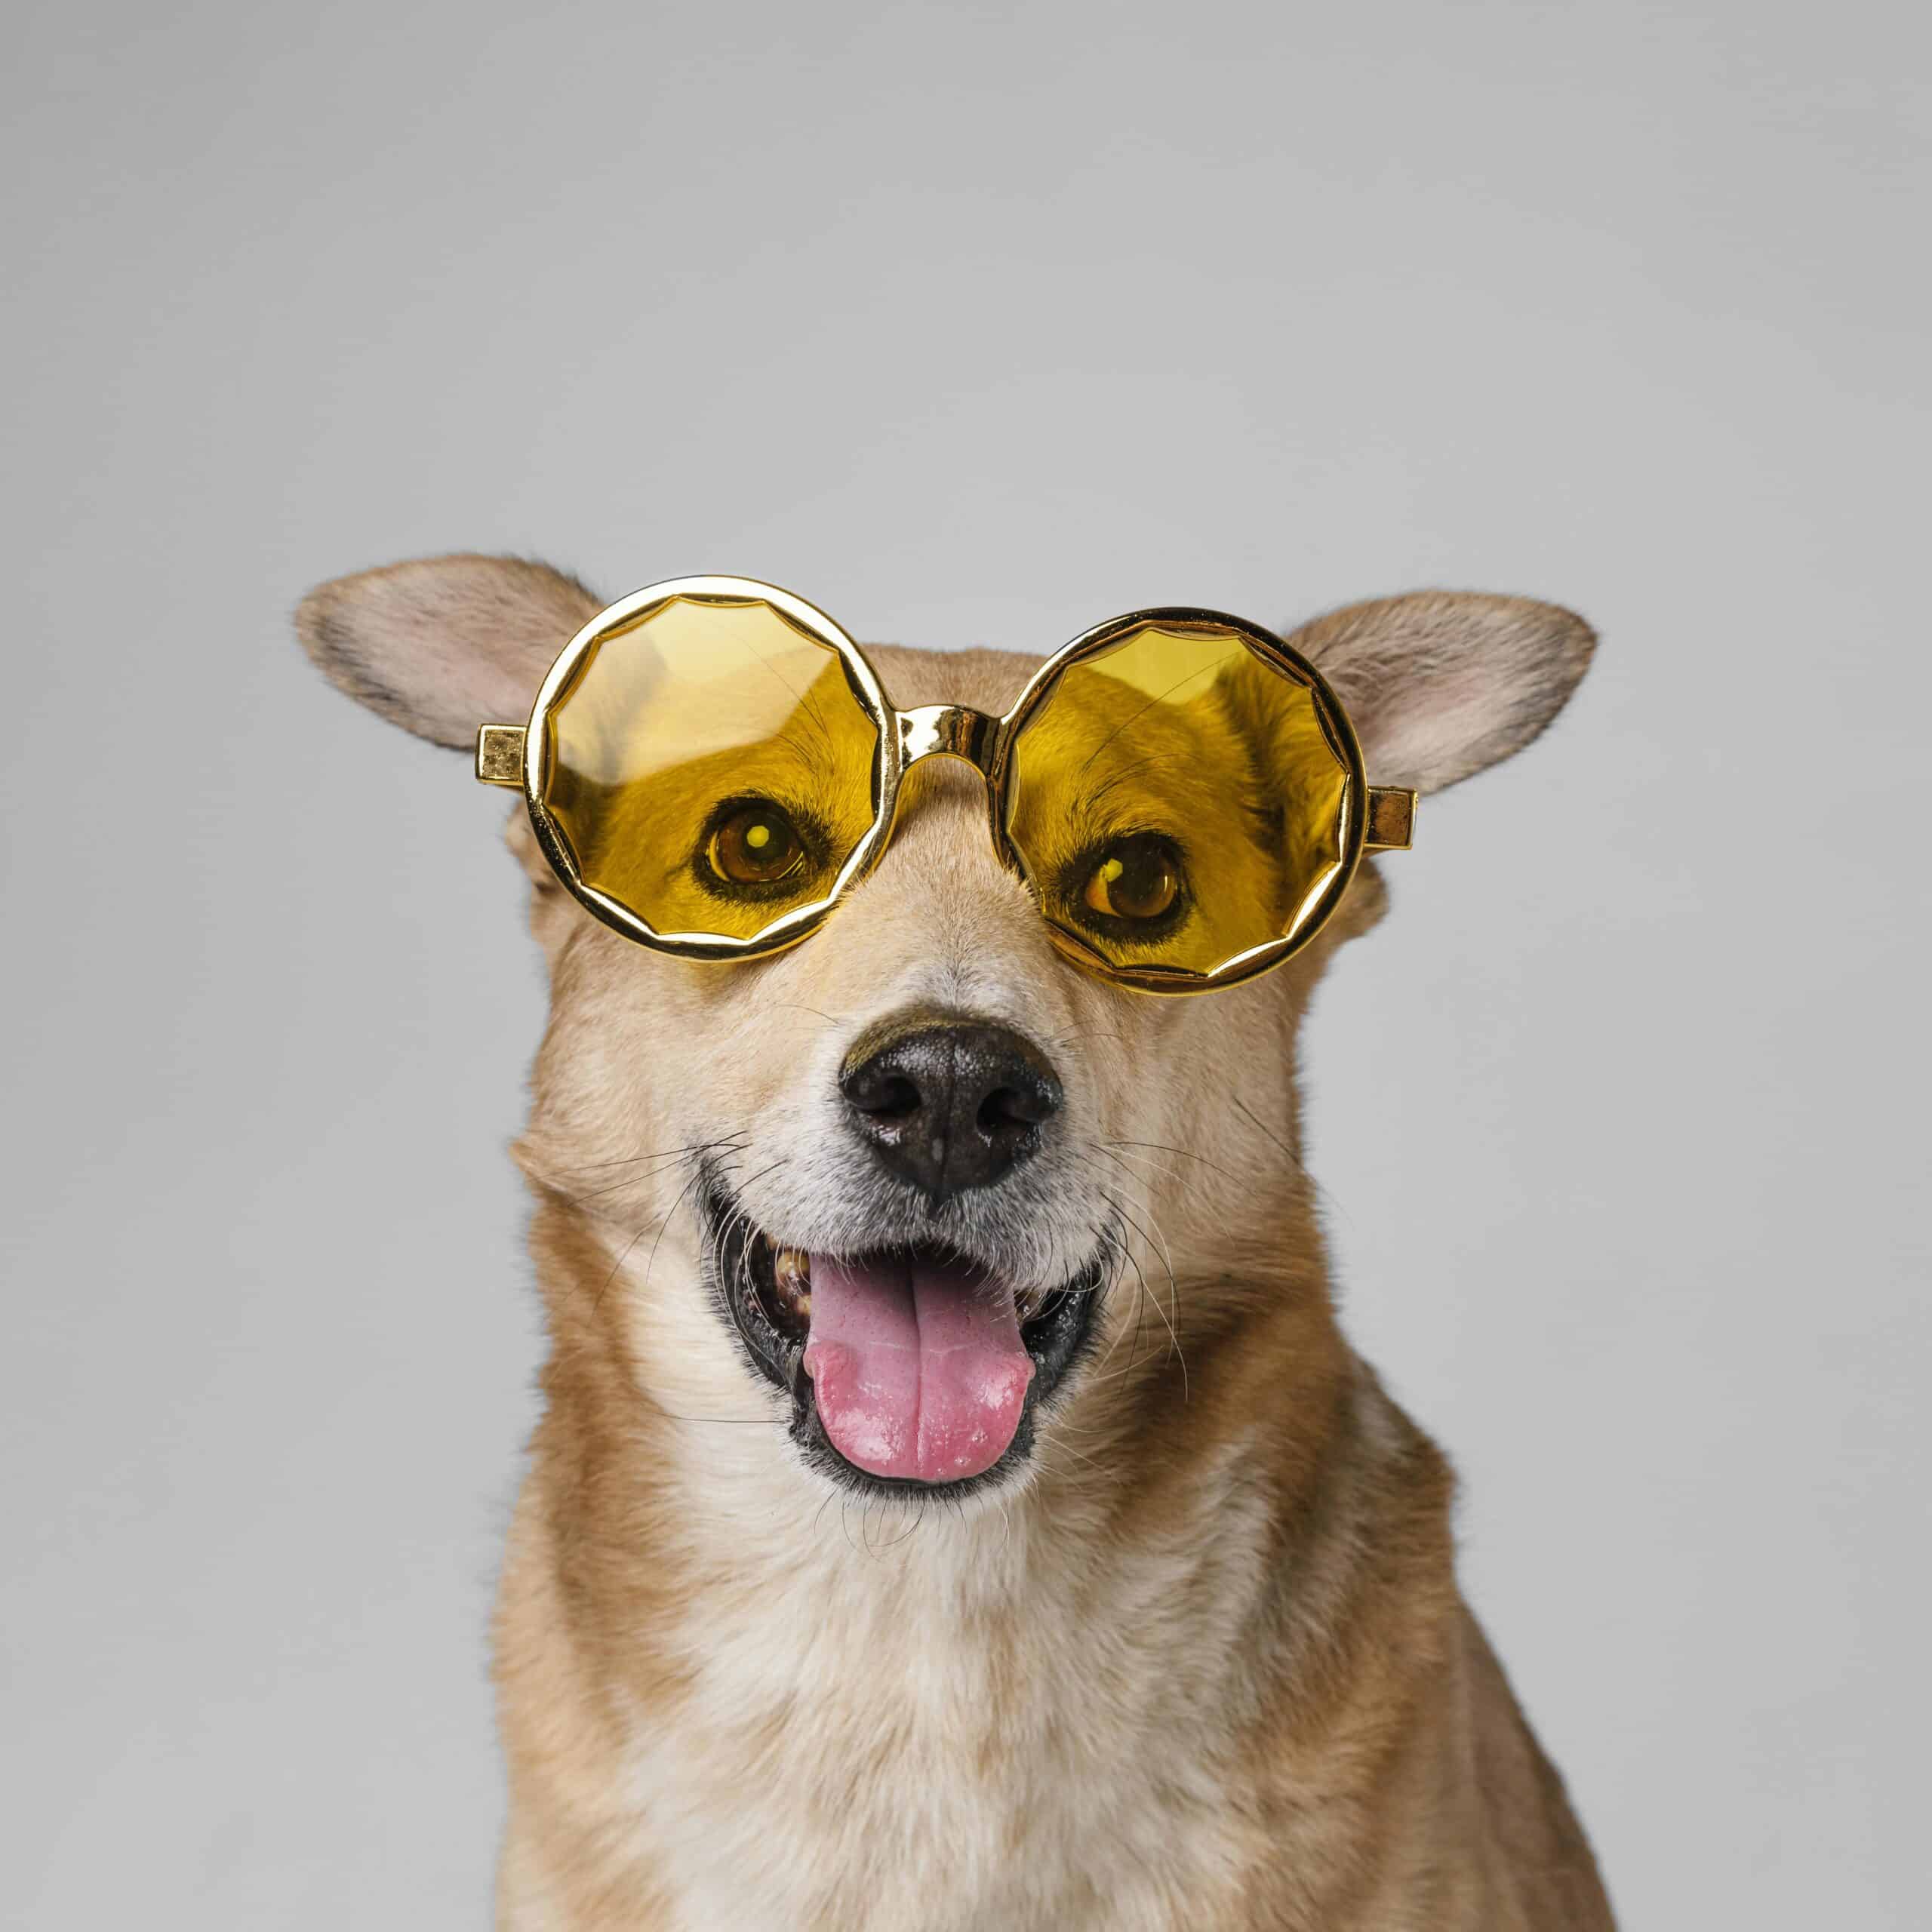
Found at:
<point>972,325</point>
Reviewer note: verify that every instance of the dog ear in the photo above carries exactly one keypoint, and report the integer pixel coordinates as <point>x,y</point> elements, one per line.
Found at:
<point>1441,684</point>
<point>445,644</point>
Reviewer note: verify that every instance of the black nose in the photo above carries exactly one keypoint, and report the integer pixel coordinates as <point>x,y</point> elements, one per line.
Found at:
<point>949,1104</point>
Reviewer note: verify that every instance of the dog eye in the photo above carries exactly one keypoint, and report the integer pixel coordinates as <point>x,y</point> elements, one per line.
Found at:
<point>757,844</point>
<point>1136,878</point>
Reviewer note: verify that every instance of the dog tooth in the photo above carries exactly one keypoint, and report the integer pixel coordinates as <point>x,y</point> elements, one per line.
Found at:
<point>792,1271</point>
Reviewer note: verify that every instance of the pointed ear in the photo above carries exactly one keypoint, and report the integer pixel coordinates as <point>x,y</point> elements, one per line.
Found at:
<point>445,644</point>
<point>1442,683</point>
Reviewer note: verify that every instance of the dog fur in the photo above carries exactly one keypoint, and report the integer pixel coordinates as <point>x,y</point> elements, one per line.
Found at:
<point>1203,1661</point>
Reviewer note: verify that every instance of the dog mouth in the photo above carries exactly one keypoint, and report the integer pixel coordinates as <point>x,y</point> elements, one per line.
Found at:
<point>908,1367</point>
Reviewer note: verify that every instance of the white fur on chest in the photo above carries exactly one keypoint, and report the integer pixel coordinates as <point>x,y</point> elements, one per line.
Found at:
<point>984,1722</point>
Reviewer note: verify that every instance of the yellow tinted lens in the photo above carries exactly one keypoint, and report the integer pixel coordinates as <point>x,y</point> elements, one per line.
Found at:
<point>710,768</point>
<point>1178,801</point>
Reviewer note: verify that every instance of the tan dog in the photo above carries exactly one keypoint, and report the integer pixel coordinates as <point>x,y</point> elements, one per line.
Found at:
<point>1191,1652</point>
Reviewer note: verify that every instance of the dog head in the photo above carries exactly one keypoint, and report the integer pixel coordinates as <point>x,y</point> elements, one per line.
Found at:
<point>933,1190</point>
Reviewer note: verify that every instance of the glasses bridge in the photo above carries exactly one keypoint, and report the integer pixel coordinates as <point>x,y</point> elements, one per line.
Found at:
<point>947,730</point>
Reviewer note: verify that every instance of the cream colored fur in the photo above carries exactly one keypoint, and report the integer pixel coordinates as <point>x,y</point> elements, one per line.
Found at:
<point>1205,1665</point>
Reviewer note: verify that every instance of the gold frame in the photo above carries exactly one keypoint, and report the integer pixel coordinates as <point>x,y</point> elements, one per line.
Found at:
<point>517,755</point>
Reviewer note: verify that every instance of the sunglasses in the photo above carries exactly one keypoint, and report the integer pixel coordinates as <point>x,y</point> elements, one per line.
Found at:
<point>712,765</point>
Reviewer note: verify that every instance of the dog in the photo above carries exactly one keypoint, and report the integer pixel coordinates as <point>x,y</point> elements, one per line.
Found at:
<point>1189,1650</point>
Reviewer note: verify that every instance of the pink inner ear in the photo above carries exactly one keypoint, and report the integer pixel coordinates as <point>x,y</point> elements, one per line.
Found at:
<point>1441,685</point>
<point>443,644</point>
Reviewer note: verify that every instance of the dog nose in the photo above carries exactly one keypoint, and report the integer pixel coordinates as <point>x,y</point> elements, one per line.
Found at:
<point>949,1104</point>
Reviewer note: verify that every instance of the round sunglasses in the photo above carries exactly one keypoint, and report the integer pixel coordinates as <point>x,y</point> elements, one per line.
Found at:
<point>712,764</point>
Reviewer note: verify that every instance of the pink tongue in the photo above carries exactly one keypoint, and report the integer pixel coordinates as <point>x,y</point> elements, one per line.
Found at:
<point>918,1366</point>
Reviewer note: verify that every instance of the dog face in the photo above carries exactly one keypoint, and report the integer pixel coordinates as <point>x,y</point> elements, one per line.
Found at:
<point>921,1193</point>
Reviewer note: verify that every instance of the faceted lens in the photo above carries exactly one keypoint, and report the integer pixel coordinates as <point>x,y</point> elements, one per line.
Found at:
<point>1178,800</point>
<point>711,767</point>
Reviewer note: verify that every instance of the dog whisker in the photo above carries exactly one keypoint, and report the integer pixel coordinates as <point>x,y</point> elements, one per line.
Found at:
<point>1092,1462</point>
<point>663,1226</point>
<point>664,1160</point>
<point>1065,1040</point>
<point>1150,1231</point>
<point>1122,1161</point>
<point>663,1153</point>
<point>1174,1286</point>
<point>630,1180</point>
<point>597,1300</point>
<point>1182,1153</point>
<point>1329,1201</point>
<point>729,1422</point>
<point>1115,1249</point>
<point>819,1516</point>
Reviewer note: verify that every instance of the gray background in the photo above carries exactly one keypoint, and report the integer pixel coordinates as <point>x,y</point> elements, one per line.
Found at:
<point>976,324</point>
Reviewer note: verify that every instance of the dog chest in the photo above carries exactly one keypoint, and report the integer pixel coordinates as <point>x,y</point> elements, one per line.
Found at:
<point>867,1749</point>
